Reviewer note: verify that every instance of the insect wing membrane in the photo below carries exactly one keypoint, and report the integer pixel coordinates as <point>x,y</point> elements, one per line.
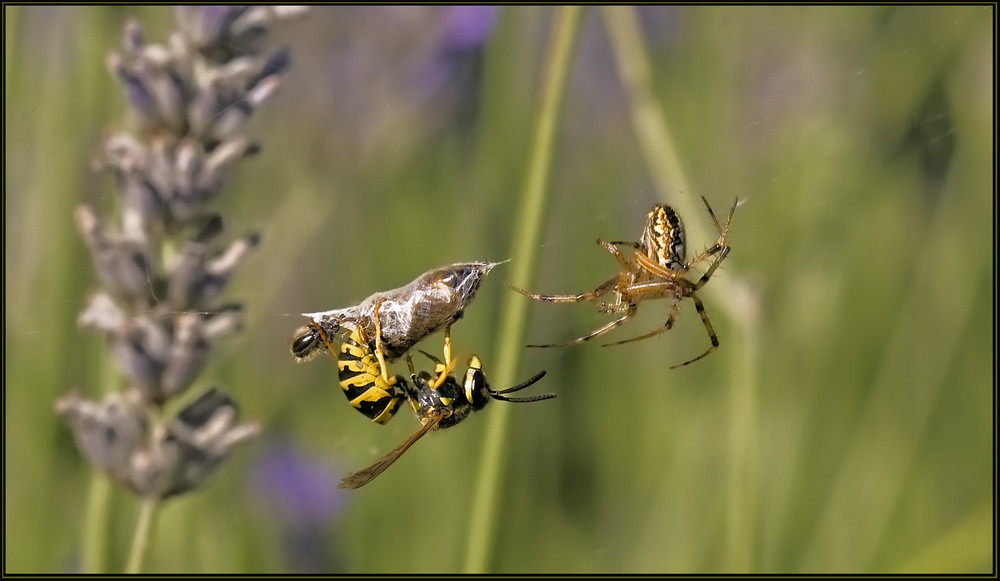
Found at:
<point>362,477</point>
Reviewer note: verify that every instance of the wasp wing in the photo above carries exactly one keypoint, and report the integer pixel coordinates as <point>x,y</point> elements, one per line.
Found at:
<point>362,477</point>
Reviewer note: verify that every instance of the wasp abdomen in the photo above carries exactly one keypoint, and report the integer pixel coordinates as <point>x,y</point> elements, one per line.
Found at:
<point>362,382</point>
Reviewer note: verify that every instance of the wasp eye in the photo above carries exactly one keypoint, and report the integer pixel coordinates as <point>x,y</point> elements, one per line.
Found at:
<point>476,388</point>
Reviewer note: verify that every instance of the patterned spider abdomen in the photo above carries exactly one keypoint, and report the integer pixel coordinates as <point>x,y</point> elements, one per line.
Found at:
<point>663,238</point>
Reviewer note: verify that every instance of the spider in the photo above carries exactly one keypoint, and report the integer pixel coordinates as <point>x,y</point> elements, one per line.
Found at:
<point>657,271</point>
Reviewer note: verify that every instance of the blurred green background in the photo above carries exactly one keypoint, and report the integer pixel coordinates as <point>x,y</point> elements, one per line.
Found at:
<point>845,424</point>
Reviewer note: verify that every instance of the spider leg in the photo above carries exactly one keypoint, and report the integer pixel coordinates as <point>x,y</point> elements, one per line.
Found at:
<point>612,248</point>
<point>708,273</point>
<point>602,330</point>
<point>604,289</point>
<point>720,245</point>
<point>635,245</point>
<point>666,326</point>
<point>708,326</point>
<point>661,271</point>
<point>713,250</point>
<point>722,231</point>
<point>677,275</point>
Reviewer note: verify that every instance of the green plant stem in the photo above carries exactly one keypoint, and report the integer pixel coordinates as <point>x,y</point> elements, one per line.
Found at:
<point>513,310</point>
<point>97,515</point>
<point>142,535</point>
<point>94,550</point>
<point>740,300</point>
<point>910,379</point>
<point>655,142</point>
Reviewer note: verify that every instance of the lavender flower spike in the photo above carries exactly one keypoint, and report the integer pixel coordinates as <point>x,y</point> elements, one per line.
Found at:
<point>164,265</point>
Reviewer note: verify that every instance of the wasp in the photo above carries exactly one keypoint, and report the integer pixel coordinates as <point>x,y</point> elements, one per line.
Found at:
<point>656,271</point>
<point>442,407</point>
<point>385,326</point>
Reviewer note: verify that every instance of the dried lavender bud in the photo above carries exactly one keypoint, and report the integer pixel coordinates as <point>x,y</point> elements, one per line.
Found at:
<point>140,349</point>
<point>156,81</point>
<point>221,33</point>
<point>133,38</point>
<point>202,436</point>
<point>115,436</point>
<point>226,320</point>
<point>188,355</point>
<point>195,280</point>
<point>121,264</point>
<point>102,314</point>
<point>108,433</point>
<point>186,276</point>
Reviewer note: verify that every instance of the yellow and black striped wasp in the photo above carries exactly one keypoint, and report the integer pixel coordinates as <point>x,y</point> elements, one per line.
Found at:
<point>442,407</point>
<point>385,326</point>
<point>656,271</point>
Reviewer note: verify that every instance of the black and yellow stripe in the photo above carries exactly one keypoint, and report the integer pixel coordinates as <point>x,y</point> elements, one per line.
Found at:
<point>362,381</point>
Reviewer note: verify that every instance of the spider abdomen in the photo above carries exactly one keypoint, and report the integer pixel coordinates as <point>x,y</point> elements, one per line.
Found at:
<point>663,238</point>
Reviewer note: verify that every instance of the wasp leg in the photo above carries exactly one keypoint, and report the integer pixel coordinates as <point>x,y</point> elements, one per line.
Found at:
<point>445,370</point>
<point>378,343</point>
<point>411,390</point>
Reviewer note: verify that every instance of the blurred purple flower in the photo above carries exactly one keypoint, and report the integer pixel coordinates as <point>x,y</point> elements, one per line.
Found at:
<point>301,493</point>
<point>302,490</point>
<point>468,27</point>
<point>451,80</point>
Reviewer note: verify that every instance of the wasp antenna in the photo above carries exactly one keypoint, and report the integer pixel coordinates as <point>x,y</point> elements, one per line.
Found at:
<point>520,386</point>
<point>523,399</point>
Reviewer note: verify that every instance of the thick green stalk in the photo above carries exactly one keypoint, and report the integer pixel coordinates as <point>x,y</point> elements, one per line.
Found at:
<point>659,151</point>
<point>514,309</point>
<point>656,145</point>
<point>94,550</point>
